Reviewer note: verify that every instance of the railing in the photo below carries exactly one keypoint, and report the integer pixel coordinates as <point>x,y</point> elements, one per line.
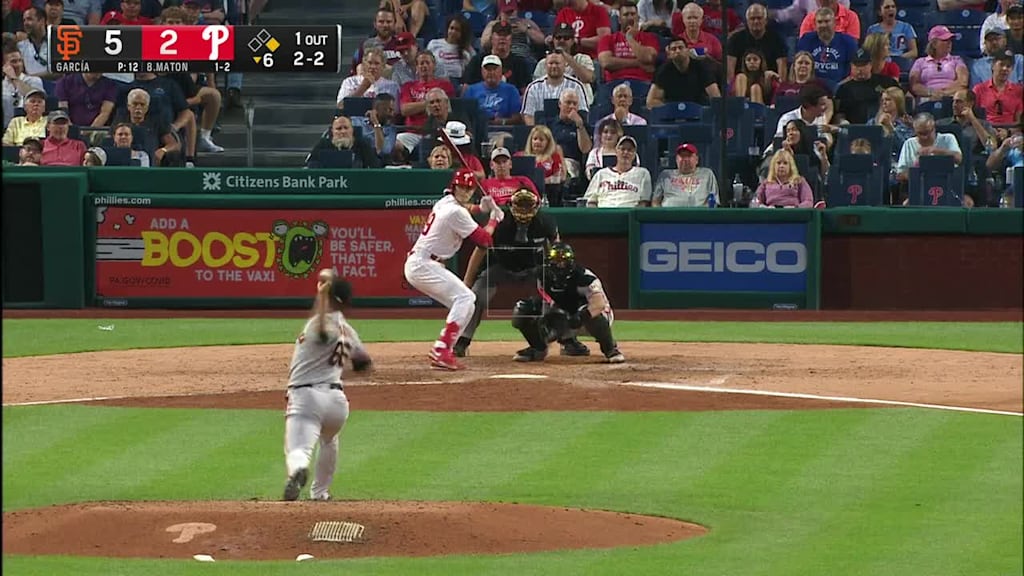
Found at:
<point>250,115</point>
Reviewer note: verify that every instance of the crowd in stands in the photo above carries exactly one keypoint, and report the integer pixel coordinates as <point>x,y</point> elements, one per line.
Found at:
<point>620,86</point>
<point>167,119</point>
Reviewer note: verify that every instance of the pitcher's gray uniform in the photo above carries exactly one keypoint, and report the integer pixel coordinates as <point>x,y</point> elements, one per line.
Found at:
<point>317,405</point>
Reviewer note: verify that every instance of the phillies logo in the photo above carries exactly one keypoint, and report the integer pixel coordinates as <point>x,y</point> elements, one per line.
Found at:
<point>854,191</point>
<point>729,133</point>
<point>935,192</point>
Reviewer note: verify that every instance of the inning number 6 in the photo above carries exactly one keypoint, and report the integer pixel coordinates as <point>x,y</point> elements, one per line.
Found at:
<point>113,46</point>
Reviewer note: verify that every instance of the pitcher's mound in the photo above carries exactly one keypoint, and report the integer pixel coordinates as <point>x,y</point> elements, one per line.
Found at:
<point>280,530</point>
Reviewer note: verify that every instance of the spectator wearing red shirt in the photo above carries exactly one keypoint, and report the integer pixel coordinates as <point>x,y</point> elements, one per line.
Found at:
<point>412,98</point>
<point>847,21</point>
<point>630,53</point>
<point>58,149</point>
<point>590,22</point>
<point>502,184</point>
<point>130,15</point>
<point>687,27</point>
<point>1002,100</point>
<point>714,16</point>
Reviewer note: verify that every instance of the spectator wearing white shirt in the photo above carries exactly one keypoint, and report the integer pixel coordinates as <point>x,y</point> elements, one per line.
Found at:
<point>579,65</point>
<point>655,13</point>
<point>370,81</point>
<point>551,87</point>
<point>813,110</point>
<point>995,20</point>
<point>455,50</point>
<point>799,9</point>
<point>926,142</point>
<point>623,185</point>
<point>622,99</point>
<point>16,84</point>
<point>34,49</point>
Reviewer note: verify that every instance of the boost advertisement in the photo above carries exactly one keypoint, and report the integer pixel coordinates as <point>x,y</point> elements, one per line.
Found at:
<point>747,257</point>
<point>146,252</point>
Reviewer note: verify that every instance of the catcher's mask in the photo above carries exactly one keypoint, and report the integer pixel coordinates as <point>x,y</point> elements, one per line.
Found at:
<point>561,261</point>
<point>524,205</point>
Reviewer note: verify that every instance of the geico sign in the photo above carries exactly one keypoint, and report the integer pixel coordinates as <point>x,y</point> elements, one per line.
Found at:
<point>738,257</point>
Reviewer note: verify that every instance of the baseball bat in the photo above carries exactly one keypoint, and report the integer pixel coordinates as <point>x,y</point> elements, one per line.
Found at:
<point>447,141</point>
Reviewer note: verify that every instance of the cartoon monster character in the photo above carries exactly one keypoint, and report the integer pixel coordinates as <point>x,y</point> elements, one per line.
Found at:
<point>300,246</point>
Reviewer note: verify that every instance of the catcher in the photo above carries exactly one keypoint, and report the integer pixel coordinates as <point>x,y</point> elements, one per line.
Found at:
<point>517,255</point>
<point>571,299</point>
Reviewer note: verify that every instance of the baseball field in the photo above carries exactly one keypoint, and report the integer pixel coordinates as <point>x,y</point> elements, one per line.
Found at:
<point>779,448</point>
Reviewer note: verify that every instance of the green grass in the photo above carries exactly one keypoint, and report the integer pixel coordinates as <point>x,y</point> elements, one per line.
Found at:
<point>785,493</point>
<point>31,337</point>
<point>845,491</point>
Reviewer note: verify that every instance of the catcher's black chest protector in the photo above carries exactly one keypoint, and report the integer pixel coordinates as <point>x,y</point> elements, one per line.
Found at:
<point>569,296</point>
<point>540,231</point>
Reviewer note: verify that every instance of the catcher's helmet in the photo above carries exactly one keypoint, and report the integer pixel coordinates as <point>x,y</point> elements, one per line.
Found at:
<point>561,261</point>
<point>463,177</point>
<point>524,205</point>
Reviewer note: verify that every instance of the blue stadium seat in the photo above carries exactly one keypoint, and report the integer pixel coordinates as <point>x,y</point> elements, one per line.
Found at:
<point>881,146</point>
<point>477,21</point>
<point>356,106</point>
<point>1018,187</point>
<point>957,18</point>
<point>916,16</point>
<point>527,166</point>
<point>929,4</point>
<point>935,182</point>
<point>519,135</point>
<point>544,20</point>
<point>118,156</point>
<point>676,112</point>
<point>336,158</point>
<point>11,153</point>
<point>937,108</point>
<point>861,182</point>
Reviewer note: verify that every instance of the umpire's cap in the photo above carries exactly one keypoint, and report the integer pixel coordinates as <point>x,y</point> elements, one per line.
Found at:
<point>341,290</point>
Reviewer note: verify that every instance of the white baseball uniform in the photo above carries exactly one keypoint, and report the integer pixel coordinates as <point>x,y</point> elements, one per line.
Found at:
<point>317,405</point>
<point>447,226</point>
<point>610,188</point>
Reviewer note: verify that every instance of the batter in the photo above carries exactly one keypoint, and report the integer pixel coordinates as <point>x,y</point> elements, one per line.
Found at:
<point>449,223</point>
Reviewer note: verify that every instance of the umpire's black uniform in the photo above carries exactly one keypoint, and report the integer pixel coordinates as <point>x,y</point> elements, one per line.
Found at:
<point>517,254</point>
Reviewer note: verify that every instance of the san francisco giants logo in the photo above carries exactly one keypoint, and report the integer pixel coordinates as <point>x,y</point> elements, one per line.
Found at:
<point>854,191</point>
<point>69,41</point>
<point>935,192</point>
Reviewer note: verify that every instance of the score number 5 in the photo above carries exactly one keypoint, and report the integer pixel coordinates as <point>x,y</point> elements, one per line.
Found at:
<point>113,43</point>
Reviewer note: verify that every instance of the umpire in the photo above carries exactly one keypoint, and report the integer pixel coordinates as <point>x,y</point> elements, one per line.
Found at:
<point>517,255</point>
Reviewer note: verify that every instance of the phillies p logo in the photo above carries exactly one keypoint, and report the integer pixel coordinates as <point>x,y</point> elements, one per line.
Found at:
<point>935,192</point>
<point>854,191</point>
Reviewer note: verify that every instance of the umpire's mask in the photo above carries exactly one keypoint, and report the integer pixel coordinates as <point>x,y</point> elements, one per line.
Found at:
<point>524,208</point>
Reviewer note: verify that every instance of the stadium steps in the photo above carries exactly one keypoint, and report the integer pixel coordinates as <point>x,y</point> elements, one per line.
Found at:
<point>273,136</point>
<point>292,110</point>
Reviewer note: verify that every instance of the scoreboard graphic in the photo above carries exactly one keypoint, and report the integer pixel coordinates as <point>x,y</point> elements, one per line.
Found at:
<point>214,48</point>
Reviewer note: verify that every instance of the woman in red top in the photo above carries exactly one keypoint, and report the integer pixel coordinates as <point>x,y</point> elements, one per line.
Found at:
<point>877,44</point>
<point>800,74</point>
<point>755,82</point>
<point>548,155</point>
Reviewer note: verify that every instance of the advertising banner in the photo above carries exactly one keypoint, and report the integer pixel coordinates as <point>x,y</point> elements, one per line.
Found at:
<point>726,257</point>
<point>145,252</point>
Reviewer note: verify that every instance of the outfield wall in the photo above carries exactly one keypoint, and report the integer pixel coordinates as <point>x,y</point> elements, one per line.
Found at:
<point>192,238</point>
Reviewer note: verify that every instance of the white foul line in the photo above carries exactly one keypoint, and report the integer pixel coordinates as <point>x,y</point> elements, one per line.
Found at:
<point>67,401</point>
<point>688,387</point>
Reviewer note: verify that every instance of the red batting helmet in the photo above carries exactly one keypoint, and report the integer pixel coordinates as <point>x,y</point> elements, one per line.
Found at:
<point>463,177</point>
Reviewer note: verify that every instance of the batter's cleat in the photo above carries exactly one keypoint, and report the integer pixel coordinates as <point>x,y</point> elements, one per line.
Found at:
<point>295,484</point>
<point>461,347</point>
<point>615,357</point>
<point>444,358</point>
<point>573,347</point>
<point>530,355</point>
<point>325,497</point>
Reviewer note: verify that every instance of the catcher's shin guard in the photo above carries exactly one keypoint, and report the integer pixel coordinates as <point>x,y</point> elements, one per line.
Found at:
<point>556,322</point>
<point>599,327</point>
<point>526,319</point>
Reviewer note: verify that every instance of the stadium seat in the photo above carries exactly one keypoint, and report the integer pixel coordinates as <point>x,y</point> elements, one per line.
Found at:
<point>676,112</point>
<point>543,20</point>
<point>1018,187</point>
<point>881,146</point>
<point>859,183</point>
<point>477,21</point>
<point>937,108</point>
<point>118,156</point>
<point>519,135</point>
<point>336,158</point>
<point>11,153</point>
<point>527,166</point>
<point>356,106</point>
<point>935,182</point>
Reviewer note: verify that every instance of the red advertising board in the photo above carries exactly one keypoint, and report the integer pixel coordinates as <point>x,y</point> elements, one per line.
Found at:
<point>210,253</point>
